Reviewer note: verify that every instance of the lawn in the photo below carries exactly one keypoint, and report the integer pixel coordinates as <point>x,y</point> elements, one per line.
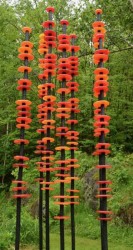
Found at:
<point>81,244</point>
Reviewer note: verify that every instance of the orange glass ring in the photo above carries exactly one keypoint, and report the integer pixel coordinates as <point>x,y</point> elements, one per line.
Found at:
<point>74,100</point>
<point>74,48</point>
<point>22,119</point>
<point>62,175</point>
<point>101,151</point>
<point>61,217</point>
<point>62,129</point>
<point>104,117</point>
<point>21,158</point>
<point>63,203</point>
<point>101,77</point>
<point>62,148</point>
<point>51,43</point>
<point>21,125</point>
<point>99,57</point>
<point>63,60</point>
<point>62,47</point>
<point>98,11</point>
<point>63,36</point>
<point>16,196</point>
<point>50,33</point>
<point>100,123</point>
<point>73,178</point>
<point>99,30</point>
<point>23,102</point>
<point>24,56</point>
<point>97,90</point>
<point>19,141</point>
<point>108,189</point>
<point>48,23</point>
<point>22,69</point>
<point>102,52</point>
<point>43,42</point>
<point>47,188</point>
<point>97,37</point>
<point>98,24</point>
<point>62,115</point>
<point>73,166</point>
<point>20,165</point>
<point>48,126</point>
<point>23,107</point>
<point>103,196</point>
<point>63,110</point>
<point>62,77</point>
<point>51,158</point>
<point>42,169</point>
<point>49,122</point>
<point>14,189</point>
<point>64,22</point>
<point>98,131</point>
<point>50,9</point>
<point>101,71</point>
<point>62,161</point>
<point>47,139</point>
<point>24,82</point>
<point>42,51</point>
<point>72,121</point>
<point>72,143</point>
<point>98,104</point>
<point>50,39</point>
<point>103,166</point>
<point>27,44</point>
<point>51,56</point>
<point>25,50</point>
<point>104,182</point>
<point>73,58</point>
<point>22,87</point>
<point>62,181</point>
<point>104,212</point>
<point>105,145</point>
<point>49,98</point>
<point>101,83</point>
<point>41,35</point>
<point>26,29</point>
<point>72,190</point>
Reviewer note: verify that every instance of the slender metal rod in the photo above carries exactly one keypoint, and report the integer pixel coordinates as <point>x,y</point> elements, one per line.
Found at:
<point>20,172</point>
<point>102,172</point>
<point>72,173</point>
<point>63,143</point>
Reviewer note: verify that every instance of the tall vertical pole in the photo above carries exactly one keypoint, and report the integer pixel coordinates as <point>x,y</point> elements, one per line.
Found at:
<point>23,124</point>
<point>72,134</point>
<point>62,113</point>
<point>101,121</point>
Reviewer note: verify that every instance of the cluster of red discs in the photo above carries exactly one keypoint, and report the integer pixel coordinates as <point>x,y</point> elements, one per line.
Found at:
<point>46,108</point>
<point>23,120</point>
<point>67,69</point>
<point>72,134</point>
<point>101,120</point>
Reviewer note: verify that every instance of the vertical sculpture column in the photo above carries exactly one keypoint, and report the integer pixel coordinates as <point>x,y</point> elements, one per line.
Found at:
<point>100,124</point>
<point>23,121</point>
<point>62,113</point>
<point>43,49</point>
<point>72,135</point>
<point>48,64</point>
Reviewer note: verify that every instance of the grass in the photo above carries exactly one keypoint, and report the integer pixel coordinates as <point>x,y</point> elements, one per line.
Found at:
<point>81,244</point>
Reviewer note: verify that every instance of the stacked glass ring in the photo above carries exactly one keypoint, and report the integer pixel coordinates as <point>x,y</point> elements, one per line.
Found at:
<point>48,65</point>
<point>72,134</point>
